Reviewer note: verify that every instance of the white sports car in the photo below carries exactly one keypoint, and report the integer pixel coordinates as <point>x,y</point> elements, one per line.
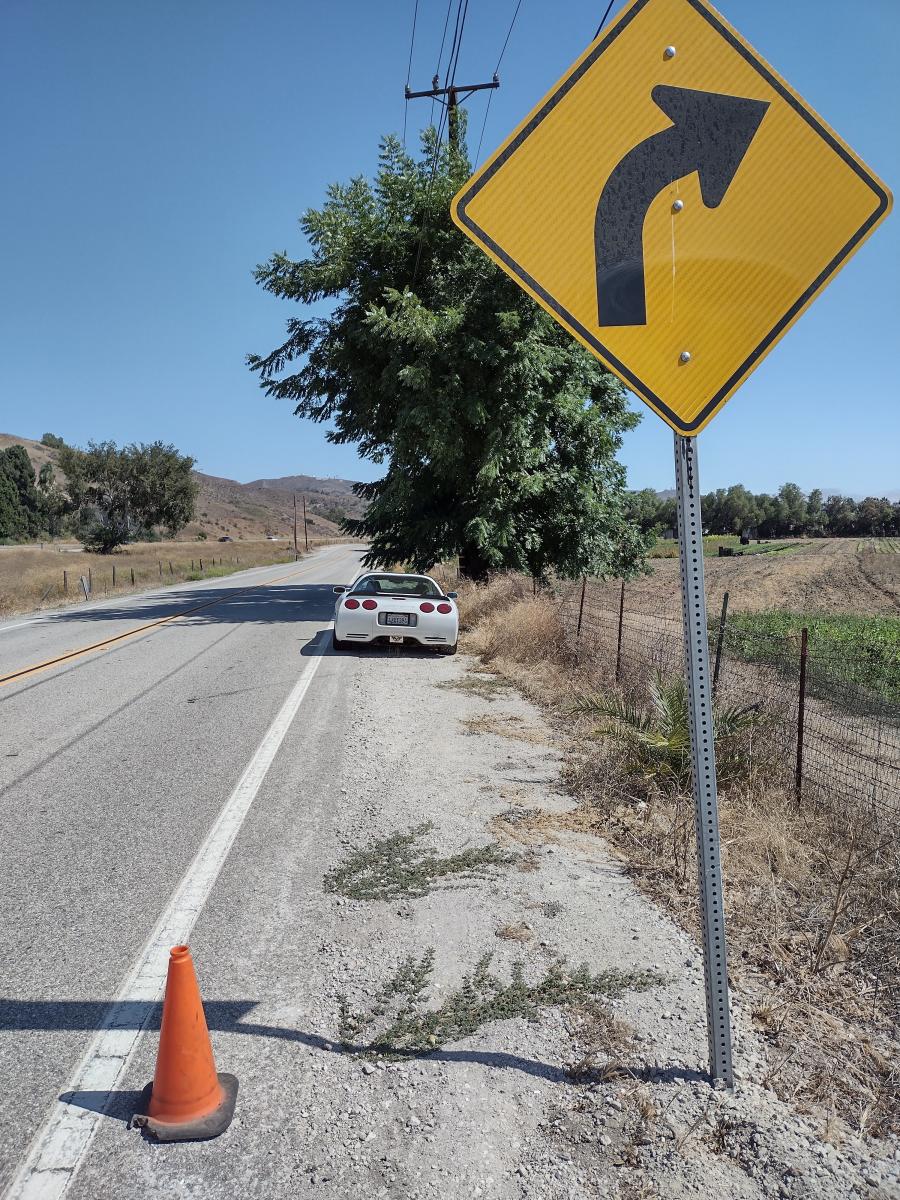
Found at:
<point>387,607</point>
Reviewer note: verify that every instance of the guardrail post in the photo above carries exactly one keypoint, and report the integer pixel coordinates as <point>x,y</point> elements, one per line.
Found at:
<point>801,712</point>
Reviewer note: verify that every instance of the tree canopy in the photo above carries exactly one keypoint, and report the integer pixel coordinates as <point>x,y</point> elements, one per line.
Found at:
<point>120,495</point>
<point>497,430</point>
<point>788,513</point>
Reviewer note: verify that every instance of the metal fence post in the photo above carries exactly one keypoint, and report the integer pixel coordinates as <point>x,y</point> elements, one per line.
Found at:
<point>114,575</point>
<point>65,583</point>
<point>703,756</point>
<point>90,580</point>
<point>721,639</point>
<point>132,576</point>
<point>801,712</point>
<point>619,639</point>
<point>581,606</point>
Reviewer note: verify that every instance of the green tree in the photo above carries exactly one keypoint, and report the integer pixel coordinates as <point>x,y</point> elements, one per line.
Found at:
<point>53,502</point>
<point>23,519</point>
<point>815,513</point>
<point>646,510</point>
<point>53,441</point>
<point>497,430</point>
<point>121,495</point>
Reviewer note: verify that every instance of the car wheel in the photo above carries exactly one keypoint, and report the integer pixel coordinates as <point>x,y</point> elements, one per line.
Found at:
<point>449,649</point>
<point>336,643</point>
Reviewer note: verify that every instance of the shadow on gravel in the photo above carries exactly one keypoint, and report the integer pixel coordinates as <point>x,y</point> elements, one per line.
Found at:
<point>226,1016</point>
<point>279,603</point>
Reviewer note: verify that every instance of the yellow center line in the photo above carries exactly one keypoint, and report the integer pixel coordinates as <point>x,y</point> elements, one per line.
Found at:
<point>24,672</point>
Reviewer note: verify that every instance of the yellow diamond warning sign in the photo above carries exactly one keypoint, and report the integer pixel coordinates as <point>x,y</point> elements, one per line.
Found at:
<point>674,204</point>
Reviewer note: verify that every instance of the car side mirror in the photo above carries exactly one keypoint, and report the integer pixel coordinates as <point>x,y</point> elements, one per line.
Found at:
<point>452,595</point>
<point>338,590</point>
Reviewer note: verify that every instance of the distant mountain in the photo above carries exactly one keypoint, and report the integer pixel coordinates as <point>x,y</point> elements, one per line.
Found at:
<point>247,510</point>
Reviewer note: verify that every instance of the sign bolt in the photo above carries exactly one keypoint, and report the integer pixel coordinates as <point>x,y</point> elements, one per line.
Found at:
<point>684,356</point>
<point>678,206</point>
<point>669,52</point>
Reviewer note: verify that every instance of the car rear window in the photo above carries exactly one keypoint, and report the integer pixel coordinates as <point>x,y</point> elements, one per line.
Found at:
<point>396,585</point>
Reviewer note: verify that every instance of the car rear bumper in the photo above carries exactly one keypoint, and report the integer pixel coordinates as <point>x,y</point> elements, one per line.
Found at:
<point>408,637</point>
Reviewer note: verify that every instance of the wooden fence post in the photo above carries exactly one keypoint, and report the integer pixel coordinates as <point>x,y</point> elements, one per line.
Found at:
<point>619,642</point>
<point>65,583</point>
<point>715,681</point>
<point>132,576</point>
<point>801,712</point>
<point>114,575</point>
<point>159,562</point>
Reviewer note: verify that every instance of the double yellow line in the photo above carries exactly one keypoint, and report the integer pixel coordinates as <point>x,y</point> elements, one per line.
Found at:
<point>36,668</point>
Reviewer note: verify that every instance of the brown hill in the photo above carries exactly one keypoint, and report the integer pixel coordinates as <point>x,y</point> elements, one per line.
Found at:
<point>249,511</point>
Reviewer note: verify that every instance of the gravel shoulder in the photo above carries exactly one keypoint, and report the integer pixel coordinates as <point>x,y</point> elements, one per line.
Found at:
<point>603,1100</point>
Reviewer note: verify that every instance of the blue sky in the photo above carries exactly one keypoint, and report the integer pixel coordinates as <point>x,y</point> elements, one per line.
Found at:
<point>154,152</point>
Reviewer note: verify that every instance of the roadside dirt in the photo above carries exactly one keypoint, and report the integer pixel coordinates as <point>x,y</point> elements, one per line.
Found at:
<point>827,575</point>
<point>606,1098</point>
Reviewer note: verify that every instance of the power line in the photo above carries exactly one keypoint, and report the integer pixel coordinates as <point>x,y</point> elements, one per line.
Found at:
<point>437,69</point>
<point>412,42</point>
<point>487,107</point>
<point>508,36</point>
<point>605,15</point>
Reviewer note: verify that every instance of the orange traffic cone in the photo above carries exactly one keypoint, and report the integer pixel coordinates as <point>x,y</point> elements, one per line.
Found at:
<point>187,1100</point>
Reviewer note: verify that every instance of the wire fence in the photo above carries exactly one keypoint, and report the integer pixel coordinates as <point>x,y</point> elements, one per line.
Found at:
<point>832,734</point>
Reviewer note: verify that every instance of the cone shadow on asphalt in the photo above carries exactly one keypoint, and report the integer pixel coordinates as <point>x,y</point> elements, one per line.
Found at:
<point>226,1016</point>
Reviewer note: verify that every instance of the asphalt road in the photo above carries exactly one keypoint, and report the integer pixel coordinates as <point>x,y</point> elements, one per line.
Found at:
<point>114,766</point>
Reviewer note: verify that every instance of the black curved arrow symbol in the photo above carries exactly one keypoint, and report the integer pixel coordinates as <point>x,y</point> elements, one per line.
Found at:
<point>710,134</point>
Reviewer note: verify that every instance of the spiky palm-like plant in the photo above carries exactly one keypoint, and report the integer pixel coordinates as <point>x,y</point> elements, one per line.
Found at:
<point>657,735</point>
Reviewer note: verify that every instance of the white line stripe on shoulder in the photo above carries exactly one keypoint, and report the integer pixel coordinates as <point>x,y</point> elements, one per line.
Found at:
<point>59,1147</point>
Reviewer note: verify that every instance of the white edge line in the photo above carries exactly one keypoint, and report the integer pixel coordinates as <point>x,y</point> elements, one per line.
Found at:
<point>59,1147</point>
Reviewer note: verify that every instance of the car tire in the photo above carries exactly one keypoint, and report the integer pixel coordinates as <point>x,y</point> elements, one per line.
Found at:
<point>449,649</point>
<point>337,644</point>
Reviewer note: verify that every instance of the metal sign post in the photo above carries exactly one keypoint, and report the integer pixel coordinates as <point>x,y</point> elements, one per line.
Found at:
<point>703,757</point>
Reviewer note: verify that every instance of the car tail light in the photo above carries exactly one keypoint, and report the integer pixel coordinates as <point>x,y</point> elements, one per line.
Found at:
<point>369,604</point>
<point>351,604</point>
<point>426,607</point>
<point>445,608</point>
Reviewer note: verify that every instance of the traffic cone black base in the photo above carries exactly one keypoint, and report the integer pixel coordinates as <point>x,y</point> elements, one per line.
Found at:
<point>199,1130</point>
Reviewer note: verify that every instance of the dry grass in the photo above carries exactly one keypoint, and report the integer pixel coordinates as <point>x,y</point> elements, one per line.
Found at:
<point>32,577</point>
<point>813,902</point>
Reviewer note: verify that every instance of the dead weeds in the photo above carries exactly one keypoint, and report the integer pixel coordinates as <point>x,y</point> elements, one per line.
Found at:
<point>813,896</point>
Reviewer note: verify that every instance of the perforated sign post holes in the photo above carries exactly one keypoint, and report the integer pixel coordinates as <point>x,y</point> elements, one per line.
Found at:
<point>676,206</point>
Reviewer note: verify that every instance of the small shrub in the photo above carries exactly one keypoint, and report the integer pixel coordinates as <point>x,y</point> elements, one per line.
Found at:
<point>401,1022</point>
<point>398,866</point>
<point>657,736</point>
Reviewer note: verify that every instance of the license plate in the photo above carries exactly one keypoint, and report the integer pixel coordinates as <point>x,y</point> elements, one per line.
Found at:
<point>396,619</point>
<point>396,637</point>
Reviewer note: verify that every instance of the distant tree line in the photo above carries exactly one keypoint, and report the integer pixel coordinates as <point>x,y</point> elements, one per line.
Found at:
<point>110,495</point>
<point>788,513</point>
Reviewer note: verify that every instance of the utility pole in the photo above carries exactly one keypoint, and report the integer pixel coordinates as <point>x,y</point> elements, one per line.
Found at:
<point>453,101</point>
<point>305,529</point>
<point>296,551</point>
